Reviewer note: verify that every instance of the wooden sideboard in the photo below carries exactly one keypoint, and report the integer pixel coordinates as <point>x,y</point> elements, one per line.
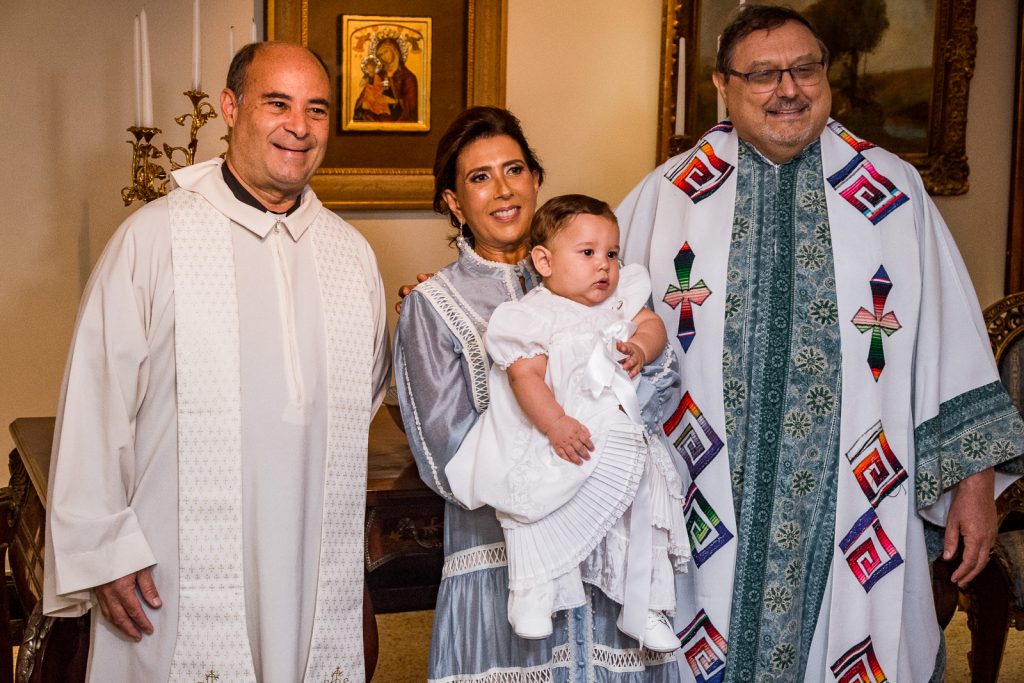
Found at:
<point>403,550</point>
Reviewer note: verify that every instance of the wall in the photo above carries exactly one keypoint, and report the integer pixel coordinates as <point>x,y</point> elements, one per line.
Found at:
<point>582,77</point>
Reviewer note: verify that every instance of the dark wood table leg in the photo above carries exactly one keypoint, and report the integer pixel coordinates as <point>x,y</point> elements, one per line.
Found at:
<point>371,642</point>
<point>988,618</point>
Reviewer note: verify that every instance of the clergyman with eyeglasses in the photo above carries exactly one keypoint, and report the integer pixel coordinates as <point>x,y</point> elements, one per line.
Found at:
<point>840,401</point>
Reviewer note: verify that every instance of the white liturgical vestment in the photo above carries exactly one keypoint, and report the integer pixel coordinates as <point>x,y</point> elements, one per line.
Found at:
<point>120,453</point>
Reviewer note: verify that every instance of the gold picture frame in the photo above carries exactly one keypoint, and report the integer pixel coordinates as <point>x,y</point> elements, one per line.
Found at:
<point>389,168</point>
<point>1015,236</point>
<point>935,124</point>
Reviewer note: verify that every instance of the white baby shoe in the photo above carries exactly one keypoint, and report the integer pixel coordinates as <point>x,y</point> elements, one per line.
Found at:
<point>535,627</point>
<point>658,633</point>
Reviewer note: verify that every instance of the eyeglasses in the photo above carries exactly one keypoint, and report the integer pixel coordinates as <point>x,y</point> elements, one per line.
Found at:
<point>766,80</point>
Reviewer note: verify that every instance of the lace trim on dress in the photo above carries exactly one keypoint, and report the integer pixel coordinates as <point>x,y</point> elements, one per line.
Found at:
<point>474,559</point>
<point>423,440</point>
<point>532,354</point>
<point>633,659</point>
<point>459,323</point>
<point>560,657</point>
<point>509,272</point>
<point>666,365</point>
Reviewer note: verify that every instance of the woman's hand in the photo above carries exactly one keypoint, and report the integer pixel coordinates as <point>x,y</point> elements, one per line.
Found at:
<point>635,359</point>
<point>570,439</point>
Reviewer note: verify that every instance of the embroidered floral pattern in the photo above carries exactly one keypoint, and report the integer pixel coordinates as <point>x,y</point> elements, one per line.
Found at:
<point>802,482</point>
<point>811,257</point>
<point>824,312</point>
<point>733,304</point>
<point>787,535</point>
<point>734,392</point>
<point>819,400</point>
<point>778,599</point>
<point>810,360</point>
<point>797,424</point>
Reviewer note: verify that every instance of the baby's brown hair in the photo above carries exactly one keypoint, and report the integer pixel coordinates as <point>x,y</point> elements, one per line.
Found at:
<point>556,213</point>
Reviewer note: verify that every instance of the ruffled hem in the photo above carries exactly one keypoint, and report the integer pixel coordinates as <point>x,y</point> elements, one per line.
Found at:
<point>577,527</point>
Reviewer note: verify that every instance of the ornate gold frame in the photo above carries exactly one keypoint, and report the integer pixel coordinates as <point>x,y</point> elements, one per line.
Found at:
<point>403,188</point>
<point>943,168</point>
<point>1015,237</point>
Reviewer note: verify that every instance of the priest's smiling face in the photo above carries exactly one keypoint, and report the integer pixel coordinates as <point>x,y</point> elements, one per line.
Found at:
<point>781,122</point>
<point>279,125</point>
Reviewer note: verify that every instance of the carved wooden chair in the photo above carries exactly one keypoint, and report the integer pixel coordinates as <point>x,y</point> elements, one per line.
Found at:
<point>995,599</point>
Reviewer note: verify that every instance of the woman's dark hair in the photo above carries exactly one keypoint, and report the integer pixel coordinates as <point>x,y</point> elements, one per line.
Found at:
<point>751,18</point>
<point>471,125</point>
<point>554,215</point>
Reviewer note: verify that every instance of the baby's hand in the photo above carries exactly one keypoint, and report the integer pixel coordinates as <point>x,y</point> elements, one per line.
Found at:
<point>570,439</point>
<point>635,359</point>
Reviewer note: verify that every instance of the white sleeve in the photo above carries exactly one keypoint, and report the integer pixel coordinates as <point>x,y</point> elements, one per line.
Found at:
<point>92,533</point>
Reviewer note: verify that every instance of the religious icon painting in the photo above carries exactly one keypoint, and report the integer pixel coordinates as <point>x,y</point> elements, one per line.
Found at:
<point>877,469</point>
<point>868,550</point>
<point>704,648</point>
<point>859,665</point>
<point>705,528</point>
<point>700,174</point>
<point>694,439</point>
<point>385,81</point>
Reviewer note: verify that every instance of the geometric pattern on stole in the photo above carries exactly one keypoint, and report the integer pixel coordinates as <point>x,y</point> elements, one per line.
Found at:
<point>700,174</point>
<point>705,528</point>
<point>859,665</point>
<point>868,550</point>
<point>849,138</point>
<point>697,443</point>
<point>704,649</point>
<point>867,190</point>
<point>877,469</point>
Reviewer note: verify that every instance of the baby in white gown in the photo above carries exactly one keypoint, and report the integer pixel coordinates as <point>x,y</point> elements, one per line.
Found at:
<point>582,491</point>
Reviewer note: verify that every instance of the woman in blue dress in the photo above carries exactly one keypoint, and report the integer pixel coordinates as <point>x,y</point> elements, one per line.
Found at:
<point>486,181</point>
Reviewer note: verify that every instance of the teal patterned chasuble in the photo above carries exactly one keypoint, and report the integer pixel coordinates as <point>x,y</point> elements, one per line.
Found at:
<point>782,396</point>
<point>782,393</point>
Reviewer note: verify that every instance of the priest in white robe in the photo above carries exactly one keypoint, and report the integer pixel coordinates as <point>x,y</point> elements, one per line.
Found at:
<point>207,483</point>
<point>840,400</point>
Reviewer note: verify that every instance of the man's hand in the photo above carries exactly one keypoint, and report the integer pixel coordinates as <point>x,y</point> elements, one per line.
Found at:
<point>404,290</point>
<point>635,359</point>
<point>570,439</point>
<point>120,603</point>
<point>972,516</point>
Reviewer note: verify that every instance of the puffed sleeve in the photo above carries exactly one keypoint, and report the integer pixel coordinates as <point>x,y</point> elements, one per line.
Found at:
<point>519,329</point>
<point>434,390</point>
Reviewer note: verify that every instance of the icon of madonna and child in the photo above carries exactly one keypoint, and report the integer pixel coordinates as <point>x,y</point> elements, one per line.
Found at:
<point>389,90</point>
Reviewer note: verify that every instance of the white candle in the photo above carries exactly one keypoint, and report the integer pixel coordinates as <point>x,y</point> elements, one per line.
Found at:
<point>254,39</point>
<point>195,46</point>
<point>147,81</point>
<point>231,42</point>
<point>681,90</point>
<point>137,73</point>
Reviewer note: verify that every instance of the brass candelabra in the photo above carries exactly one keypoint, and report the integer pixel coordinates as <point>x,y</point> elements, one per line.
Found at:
<point>149,179</point>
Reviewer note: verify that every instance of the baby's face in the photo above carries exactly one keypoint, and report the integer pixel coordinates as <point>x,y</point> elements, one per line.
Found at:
<point>584,260</point>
